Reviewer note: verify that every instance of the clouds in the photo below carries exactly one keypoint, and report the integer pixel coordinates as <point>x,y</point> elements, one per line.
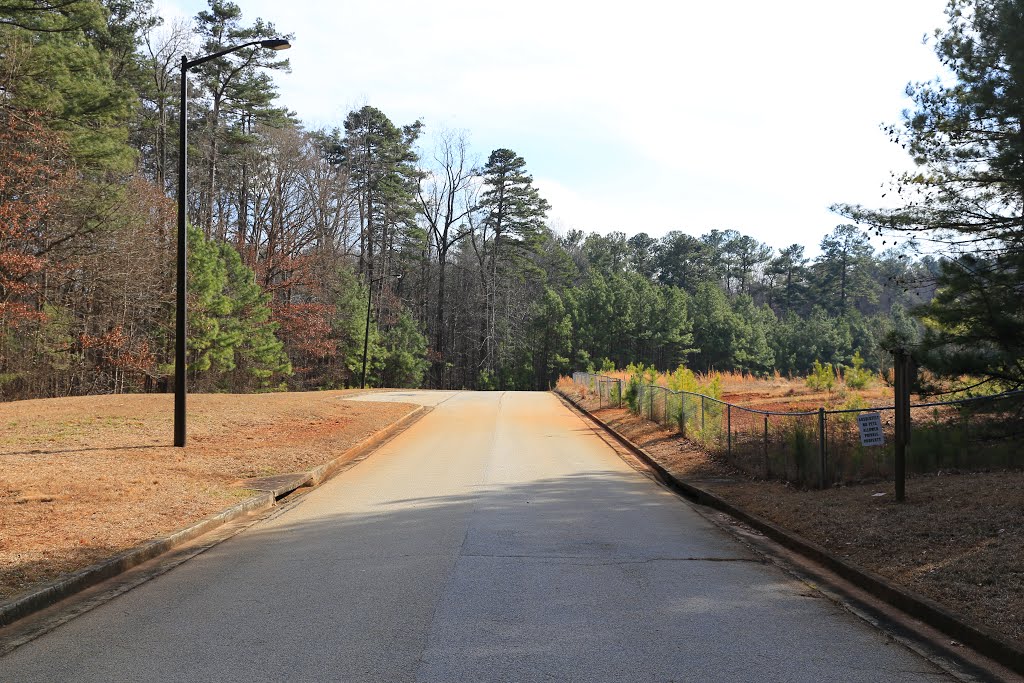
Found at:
<point>692,115</point>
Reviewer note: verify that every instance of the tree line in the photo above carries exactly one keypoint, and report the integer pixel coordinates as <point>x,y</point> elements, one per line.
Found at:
<point>296,233</point>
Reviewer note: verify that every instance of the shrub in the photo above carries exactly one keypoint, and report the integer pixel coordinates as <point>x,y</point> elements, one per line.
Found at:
<point>712,387</point>
<point>822,377</point>
<point>613,395</point>
<point>857,377</point>
<point>487,381</point>
<point>683,379</point>
<point>639,374</point>
<point>635,373</point>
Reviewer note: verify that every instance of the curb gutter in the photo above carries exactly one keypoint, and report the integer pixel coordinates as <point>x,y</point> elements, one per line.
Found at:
<point>979,638</point>
<point>48,595</point>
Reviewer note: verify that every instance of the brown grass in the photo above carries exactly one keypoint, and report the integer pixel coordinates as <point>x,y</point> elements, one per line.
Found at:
<point>82,479</point>
<point>777,392</point>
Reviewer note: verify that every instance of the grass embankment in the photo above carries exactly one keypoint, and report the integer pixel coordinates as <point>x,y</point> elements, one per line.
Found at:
<point>82,479</point>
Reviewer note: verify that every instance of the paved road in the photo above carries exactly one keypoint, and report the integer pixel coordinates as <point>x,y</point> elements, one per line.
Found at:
<point>498,539</point>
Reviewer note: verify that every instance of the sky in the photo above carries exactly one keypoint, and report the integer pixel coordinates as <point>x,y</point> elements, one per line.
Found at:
<point>635,116</point>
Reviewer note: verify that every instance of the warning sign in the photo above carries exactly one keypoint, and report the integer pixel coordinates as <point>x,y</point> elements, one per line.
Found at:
<point>871,429</point>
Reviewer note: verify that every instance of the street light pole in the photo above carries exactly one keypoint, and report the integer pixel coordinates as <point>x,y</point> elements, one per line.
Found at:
<point>366,335</point>
<point>180,327</point>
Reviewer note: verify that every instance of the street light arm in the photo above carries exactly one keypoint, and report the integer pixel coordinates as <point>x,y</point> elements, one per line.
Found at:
<point>275,44</point>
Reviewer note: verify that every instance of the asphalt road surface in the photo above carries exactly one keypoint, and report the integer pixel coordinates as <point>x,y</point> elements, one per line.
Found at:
<point>498,539</point>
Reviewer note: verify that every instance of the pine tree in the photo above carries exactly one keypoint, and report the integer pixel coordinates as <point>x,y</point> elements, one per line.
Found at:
<point>790,271</point>
<point>966,136</point>
<point>231,340</point>
<point>380,161</point>
<point>843,270</point>
<point>550,339</point>
<point>510,230</point>
<point>233,85</point>
<point>53,65</point>
<point>405,350</point>
<point>683,261</point>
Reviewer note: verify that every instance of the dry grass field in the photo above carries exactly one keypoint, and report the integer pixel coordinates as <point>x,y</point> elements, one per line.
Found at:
<point>82,479</point>
<point>781,393</point>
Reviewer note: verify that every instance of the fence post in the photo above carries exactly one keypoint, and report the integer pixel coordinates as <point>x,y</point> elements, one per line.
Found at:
<point>765,446</point>
<point>620,393</point>
<point>702,418</point>
<point>728,430</point>
<point>682,414</point>
<point>650,403</point>
<point>821,445</point>
<point>901,387</point>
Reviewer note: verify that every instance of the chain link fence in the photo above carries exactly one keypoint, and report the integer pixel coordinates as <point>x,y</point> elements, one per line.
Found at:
<point>607,389</point>
<point>823,447</point>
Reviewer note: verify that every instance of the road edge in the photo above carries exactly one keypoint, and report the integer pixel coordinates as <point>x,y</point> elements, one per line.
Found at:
<point>40,598</point>
<point>979,638</point>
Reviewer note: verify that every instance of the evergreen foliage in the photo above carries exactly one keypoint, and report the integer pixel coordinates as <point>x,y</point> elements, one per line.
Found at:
<point>405,350</point>
<point>822,376</point>
<point>59,70</point>
<point>967,194</point>
<point>857,376</point>
<point>379,159</point>
<point>513,209</point>
<point>230,326</point>
<point>296,228</point>
<point>349,297</point>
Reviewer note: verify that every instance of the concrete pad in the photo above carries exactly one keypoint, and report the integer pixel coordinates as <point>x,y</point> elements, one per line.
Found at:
<point>423,397</point>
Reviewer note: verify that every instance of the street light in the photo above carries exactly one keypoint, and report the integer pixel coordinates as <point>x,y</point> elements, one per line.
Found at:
<point>180,327</point>
<point>366,336</point>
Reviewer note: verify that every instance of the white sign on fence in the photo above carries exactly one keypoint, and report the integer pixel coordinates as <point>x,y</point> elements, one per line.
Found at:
<point>871,429</point>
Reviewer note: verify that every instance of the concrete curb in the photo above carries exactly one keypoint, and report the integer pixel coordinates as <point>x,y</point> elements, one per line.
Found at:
<point>979,638</point>
<point>22,606</point>
<point>358,452</point>
<point>66,586</point>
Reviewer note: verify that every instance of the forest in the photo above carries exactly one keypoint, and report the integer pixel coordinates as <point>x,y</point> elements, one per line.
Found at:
<point>299,235</point>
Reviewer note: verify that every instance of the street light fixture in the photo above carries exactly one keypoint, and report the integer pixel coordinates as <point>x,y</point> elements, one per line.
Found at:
<point>180,329</point>
<point>366,336</point>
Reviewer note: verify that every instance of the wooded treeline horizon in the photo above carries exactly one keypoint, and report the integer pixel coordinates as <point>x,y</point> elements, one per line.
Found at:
<point>293,229</point>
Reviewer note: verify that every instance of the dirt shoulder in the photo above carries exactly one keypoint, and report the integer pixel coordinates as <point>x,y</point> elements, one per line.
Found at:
<point>85,478</point>
<point>958,539</point>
